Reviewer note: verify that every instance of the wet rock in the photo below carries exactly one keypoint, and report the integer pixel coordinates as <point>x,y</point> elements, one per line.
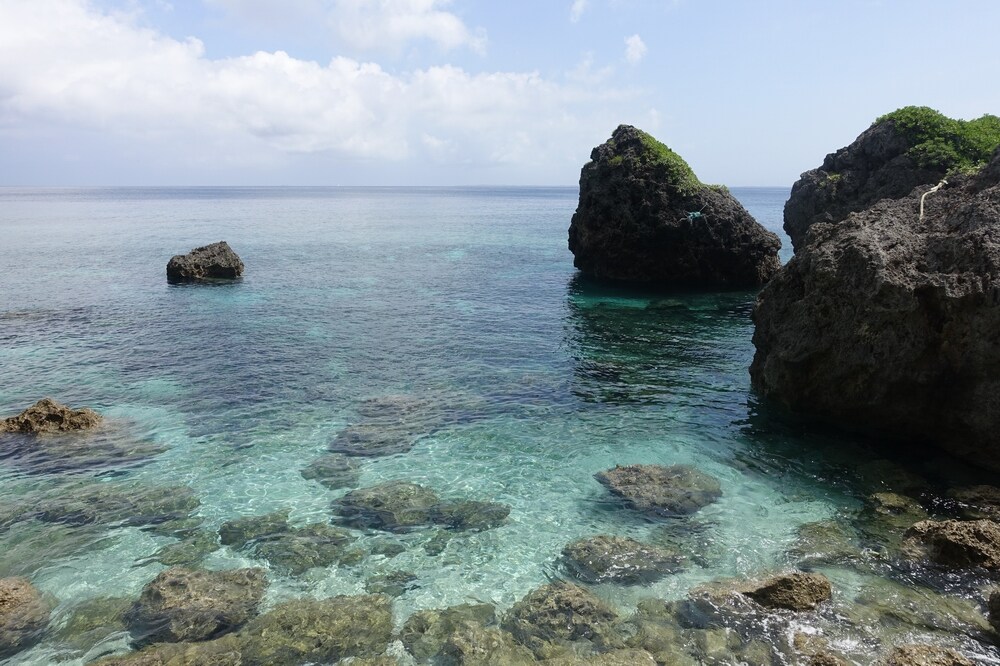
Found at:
<point>216,261</point>
<point>392,583</point>
<point>225,651</point>
<point>884,322</point>
<point>644,216</point>
<point>825,541</point>
<point>993,609</point>
<point>334,470</point>
<point>48,416</point>
<point>795,591</point>
<point>387,548</point>
<point>93,621</point>
<point>392,506</point>
<point>662,491</point>
<point>241,531</point>
<point>826,659</point>
<point>888,515</point>
<point>469,514</point>
<point>24,614</point>
<point>319,631</point>
<point>955,544</point>
<point>884,602</point>
<point>978,502</point>
<point>188,552</point>
<point>925,655</point>
<point>550,618</point>
<point>388,425</point>
<point>303,548</point>
<point>425,632</point>
<point>183,605</point>
<point>613,559</point>
<point>474,645</point>
<point>613,658</point>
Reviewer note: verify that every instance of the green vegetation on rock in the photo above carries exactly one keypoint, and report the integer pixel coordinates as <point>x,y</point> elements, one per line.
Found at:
<point>940,142</point>
<point>678,171</point>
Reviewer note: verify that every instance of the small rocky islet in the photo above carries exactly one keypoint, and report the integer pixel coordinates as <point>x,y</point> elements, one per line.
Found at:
<point>907,538</point>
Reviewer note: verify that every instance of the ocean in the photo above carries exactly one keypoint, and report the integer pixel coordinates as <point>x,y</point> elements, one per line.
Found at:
<point>520,381</point>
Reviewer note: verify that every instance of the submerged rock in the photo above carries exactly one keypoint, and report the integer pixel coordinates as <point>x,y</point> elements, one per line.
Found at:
<point>662,491</point>
<point>978,502</point>
<point>225,651</point>
<point>189,551</point>
<point>48,416</point>
<point>645,217</point>
<point>24,614</point>
<point>303,548</point>
<point>549,619</point>
<point>426,632</point>
<point>469,514</point>
<point>334,470</point>
<point>318,631</point>
<point>392,506</point>
<point>613,559</point>
<point>388,425</point>
<point>209,262</point>
<point>126,504</point>
<point>956,544</point>
<point>910,147</point>
<point>884,322</point>
<point>471,644</point>
<point>993,608</point>
<point>241,531</point>
<point>925,655</point>
<point>795,591</point>
<point>182,605</point>
<point>392,583</point>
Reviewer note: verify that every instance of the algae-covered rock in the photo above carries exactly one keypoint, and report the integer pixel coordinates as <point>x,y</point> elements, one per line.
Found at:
<point>391,506</point>
<point>241,531</point>
<point>644,217</point>
<point>216,261</point>
<point>93,621</point>
<point>48,416</point>
<point>796,591</point>
<point>392,583</point>
<point>189,551</point>
<point>129,504</point>
<point>956,544</point>
<point>303,548</point>
<point>388,425</point>
<point>334,470</point>
<point>182,605</point>
<point>884,602</point>
<point>661,491</point>
<point>24,614</point>
<point>925,655</point>
<point>613,658</point>
<point>558,614</point>
<point>319,631</point>
<point>613,559</point>
<point>825,541</point>
<point>469,514</point>
<point>471,644</point>
<point>225,651</point>
<point>426,632</point>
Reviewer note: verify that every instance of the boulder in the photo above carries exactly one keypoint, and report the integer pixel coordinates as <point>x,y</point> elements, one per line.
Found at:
<point>795,591</point>
<point>614,559</point>
<point>885,323</point>
<point>318,631</point>
<point>644,217</point>
<point>910,147</point>
<point>184,605</point>
<point>48,416</point>
<point>925,655</point>
<point>210,262</point>
<point>955,544</point>
<point>553,616</point>
<point>24,614</point>
<point>661,491</point>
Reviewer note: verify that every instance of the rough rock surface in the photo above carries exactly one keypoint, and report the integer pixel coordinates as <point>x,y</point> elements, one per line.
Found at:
<point>48,416</point>
<point>223,651</point>
<point>319,631</point>
<point>559,613</point>
<point>925,655</point>
<point>662,491</point>
<point>425,632</point>
<point>796,591</point>
<point>875,166</point>
<point>993,610</point>
<point>956,544</point>
<point>182,605</point>
<point>888,323</point>
<point>23,615</point>
<point>333,470</point>
<point>978,502</point>
<point>210,262</point>
<point>241,531</point>
<point>644,217</point>
<point>614,559</point>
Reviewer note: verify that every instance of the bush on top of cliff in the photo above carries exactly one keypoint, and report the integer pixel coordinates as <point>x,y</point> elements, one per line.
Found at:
<point>655,154</point>
<point>940,142</point>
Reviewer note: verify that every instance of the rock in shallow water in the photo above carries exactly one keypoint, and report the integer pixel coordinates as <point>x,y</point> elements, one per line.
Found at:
<point>23,615</point>
<point>925,655</point>
<point>887,323</point>
<point>795,591</point>
<point>613,559</point>
<point>644,217</point>
<point>425,632</point>
<point>956,544</point>
<point>334,470</point>
<point>662,491</point>
<point>48,416</point>
<point>550,618</point>
<point>216,261</point>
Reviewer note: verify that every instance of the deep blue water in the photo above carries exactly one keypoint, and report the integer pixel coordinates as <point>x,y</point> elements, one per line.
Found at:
<point>464,300</point>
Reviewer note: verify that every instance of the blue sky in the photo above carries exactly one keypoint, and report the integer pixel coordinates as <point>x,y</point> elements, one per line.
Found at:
<point>464,92</point>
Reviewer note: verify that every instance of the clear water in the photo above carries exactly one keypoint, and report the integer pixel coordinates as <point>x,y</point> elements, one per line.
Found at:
<point>464,298</point>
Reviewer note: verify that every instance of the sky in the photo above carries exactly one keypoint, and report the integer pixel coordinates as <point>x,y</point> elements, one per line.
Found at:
<point>465,92</point>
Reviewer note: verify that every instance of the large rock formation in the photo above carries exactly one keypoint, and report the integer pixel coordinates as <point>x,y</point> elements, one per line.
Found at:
<point>48,416</point>
<point>213,262</point>
<point>645,217</point>
<point>888,323</point>
<point>901,150</point>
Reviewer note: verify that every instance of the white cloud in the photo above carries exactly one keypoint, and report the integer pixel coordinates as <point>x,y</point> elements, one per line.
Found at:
<point>576,11</point>
<point>63,64</point>
<point>635,49</point>
<point>381,24</point>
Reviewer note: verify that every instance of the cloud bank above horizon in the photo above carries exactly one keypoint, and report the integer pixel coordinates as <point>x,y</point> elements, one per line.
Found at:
<point>413,92</point>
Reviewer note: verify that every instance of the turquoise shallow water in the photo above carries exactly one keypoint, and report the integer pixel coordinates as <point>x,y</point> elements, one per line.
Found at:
<point>532,379</point>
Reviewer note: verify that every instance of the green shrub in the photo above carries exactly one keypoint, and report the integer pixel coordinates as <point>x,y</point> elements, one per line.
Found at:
<point>942,143</point>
